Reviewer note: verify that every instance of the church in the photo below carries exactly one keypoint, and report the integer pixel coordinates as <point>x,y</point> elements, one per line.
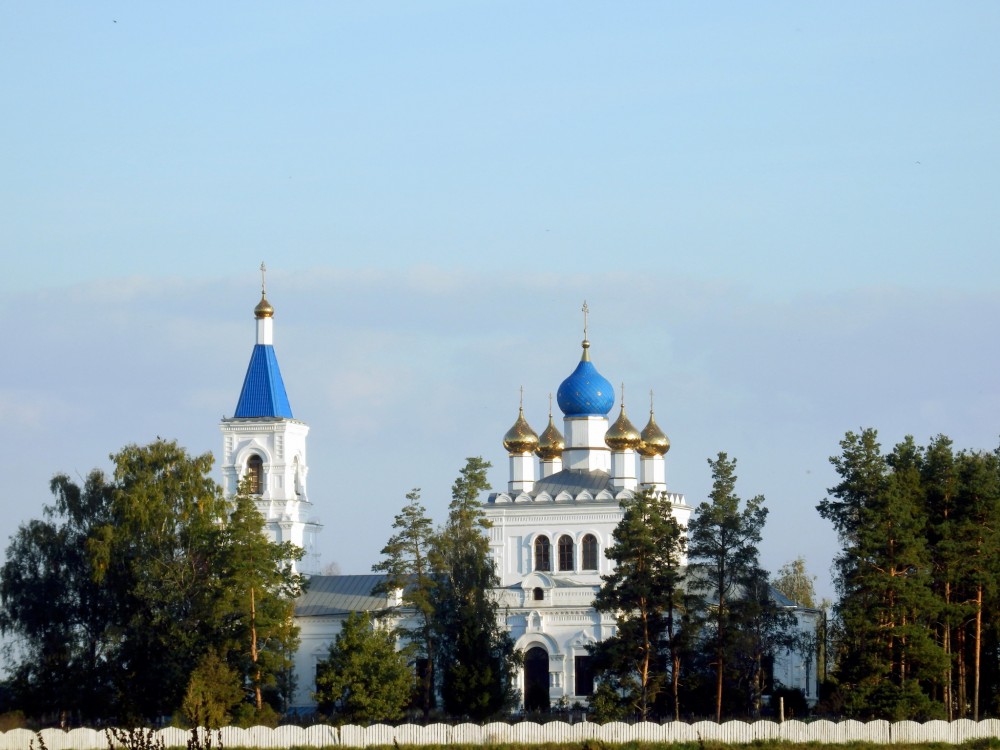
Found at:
<point>550,526</point>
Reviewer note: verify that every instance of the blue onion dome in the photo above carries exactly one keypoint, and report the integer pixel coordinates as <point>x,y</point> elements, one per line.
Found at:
<point>622,435</point>
<point>586,393</point>
<point>654,441</point>
<point>551,442</point>
<point>520,438</point>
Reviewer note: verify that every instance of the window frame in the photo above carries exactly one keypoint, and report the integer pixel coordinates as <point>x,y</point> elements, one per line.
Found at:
<point>543,554</point>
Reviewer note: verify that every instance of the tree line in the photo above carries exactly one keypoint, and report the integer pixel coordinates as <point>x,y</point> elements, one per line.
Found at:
<point>917,621</point>
<point>146,594</point>
<point>692,638</point>
<point>150,594</point>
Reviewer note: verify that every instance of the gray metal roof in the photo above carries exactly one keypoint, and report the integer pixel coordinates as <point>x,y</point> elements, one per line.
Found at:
<point>575,481</point>
<point>338,595</point>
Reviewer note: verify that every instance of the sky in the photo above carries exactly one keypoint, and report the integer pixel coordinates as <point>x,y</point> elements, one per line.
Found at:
<point>783,217</point>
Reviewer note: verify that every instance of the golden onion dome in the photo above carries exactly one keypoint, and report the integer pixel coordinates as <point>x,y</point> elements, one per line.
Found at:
<point>654,441</point>
<point>520,438</point>
<point>263,309</point>
<point>622,435</point>
<point>551,443</point>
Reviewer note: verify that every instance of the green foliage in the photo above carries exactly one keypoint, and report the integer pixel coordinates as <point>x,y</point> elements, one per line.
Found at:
<point>248,715</point>
<point>53,609</point>
<point>256,607</point>
<point>639,664</point>
<point>155,561</point>
<point>212,693</point>
<point>917,578</point>
<point>475,655</point>
<point>794,582</point>
<point>407,566</point>
<point>887,609</point>
<point>740,623</point>
<point>364,678</point>
<point>12,720</point>
<point>157,555</point>
<point>458,642</point>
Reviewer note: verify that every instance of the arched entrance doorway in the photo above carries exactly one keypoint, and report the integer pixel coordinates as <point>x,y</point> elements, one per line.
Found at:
<point>536,679</point>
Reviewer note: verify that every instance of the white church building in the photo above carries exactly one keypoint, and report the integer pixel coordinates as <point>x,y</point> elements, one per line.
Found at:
<point>550,526</point>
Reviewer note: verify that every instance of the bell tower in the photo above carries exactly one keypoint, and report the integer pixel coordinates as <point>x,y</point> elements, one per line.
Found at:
<point>265,446</point>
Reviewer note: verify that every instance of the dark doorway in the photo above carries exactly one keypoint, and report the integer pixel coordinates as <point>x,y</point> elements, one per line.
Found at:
<point>536,680</point>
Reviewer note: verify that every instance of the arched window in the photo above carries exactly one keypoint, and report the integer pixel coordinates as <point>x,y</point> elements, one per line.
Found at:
<point>543,554</point>
<point>297,475</point>
<point>590,552</point>
<point>255,475</point>
<point>565,552</point>
<point>538,594</point>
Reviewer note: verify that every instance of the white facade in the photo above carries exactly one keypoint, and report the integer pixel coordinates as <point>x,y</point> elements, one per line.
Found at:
<point>282,499</point>
<point>550,530</point>
<point>552,608</point>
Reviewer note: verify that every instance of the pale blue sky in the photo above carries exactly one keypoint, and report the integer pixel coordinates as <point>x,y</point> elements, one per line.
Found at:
<point>784,217</point>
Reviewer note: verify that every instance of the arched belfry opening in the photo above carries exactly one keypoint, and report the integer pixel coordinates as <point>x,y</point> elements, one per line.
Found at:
<point>536,679</point>
<point>255,475</point>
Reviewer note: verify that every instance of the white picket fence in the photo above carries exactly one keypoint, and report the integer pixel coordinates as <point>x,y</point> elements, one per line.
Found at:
<point>734,732</point>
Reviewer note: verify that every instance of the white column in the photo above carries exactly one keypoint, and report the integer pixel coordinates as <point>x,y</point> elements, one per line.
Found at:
<point>522,472</point>
<point>550,466</point>
<point>623,470</point>
<point>585,446</point>
<point>653,473</point>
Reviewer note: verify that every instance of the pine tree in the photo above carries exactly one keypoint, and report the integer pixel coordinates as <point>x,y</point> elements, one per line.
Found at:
<point>886,605</point>
<point>407,568</point>
<point>641,661</point>
<point>256,607</point>
<point>726,575</point>
<point>364,678</point>
<point>939,479</point>
<point>978,538</point>
<point>475,654</point>
<point>212,692</point>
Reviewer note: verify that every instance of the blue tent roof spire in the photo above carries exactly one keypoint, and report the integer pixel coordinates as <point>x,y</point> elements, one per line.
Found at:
<point>263,393</point>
